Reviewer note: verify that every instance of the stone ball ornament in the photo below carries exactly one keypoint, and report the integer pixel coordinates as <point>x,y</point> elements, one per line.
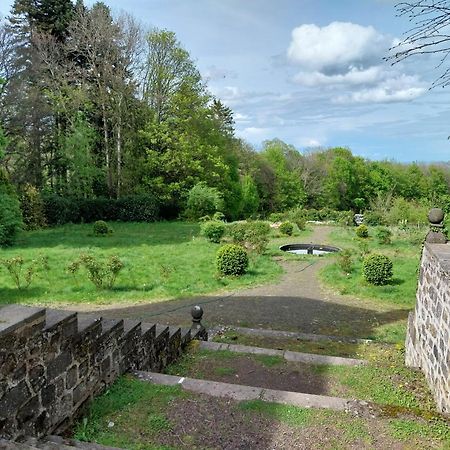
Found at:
<point>197,313</point>
<point>436,216</point>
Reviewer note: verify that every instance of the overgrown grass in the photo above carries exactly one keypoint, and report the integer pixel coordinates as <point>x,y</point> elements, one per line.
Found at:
<point>404,252</point>
<point>162,260</point>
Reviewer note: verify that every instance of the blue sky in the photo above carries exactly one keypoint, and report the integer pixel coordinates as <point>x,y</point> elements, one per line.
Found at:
<point>310,72</point>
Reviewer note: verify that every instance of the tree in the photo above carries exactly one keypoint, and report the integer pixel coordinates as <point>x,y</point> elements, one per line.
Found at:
<point>168,70</point>
<point>428,34</point>
<point>289,189</point>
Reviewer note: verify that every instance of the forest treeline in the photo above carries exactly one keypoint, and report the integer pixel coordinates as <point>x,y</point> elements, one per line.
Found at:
<point>97,107</point>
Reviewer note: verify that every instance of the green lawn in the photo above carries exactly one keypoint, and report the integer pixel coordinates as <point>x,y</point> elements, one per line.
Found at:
<point>162,261</point>
<point>405,254</point>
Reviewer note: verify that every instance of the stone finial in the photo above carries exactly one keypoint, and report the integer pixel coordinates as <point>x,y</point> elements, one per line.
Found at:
<point>200,330</point>
<point>436,234</point>
<point>197,315</point>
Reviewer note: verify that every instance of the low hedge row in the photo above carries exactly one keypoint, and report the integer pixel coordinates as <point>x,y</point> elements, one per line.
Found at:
<point>60,210</point>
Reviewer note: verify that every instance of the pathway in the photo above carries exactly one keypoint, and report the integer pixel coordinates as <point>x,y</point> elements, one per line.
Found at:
<point>295,303</point>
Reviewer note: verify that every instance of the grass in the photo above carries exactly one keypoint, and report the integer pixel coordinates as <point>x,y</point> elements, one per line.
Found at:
<point>108,420</point>
<point>135,415</point>
<point>162,261</point>
<point>405,254</point>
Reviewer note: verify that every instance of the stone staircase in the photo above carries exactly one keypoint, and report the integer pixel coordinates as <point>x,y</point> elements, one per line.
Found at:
<point>242,392</point>
<point>53,362</point>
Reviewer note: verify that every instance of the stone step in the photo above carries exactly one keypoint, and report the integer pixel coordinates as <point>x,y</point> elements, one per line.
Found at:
<point>65,320</point>
<point>10,445</point>
<point>242,393</point>
<point>72,443</point>
<point>308,358</point>
<point>15,317</point>
<point>289,334</point>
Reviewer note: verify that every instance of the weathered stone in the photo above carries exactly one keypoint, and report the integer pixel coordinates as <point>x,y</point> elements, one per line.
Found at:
<point>59,365</point>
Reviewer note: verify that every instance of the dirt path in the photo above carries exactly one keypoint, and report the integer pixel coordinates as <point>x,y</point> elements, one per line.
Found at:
<point>295,303</point>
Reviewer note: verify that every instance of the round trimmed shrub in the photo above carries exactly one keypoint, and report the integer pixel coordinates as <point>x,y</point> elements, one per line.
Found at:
<point>362,231</point>
<point>377,269</point>
<point>232,259</point>
<point>101,228</point>
<point>213,230</point>
<point>286,228</point>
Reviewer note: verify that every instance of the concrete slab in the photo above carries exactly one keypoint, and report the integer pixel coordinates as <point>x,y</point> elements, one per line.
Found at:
<point>159,378</point>
<point>308,358</point>
<point>217,389</point>
<point>312,358</point>
<point>304,400</point>
<point>293,335</point>
<point>208,345</point>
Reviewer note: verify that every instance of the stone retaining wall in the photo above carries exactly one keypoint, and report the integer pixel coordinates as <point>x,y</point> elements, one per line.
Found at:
<point>427,341</point>
<point>53,362</point>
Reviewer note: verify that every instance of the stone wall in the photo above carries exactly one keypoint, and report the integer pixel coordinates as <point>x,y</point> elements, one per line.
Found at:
<point>427,341</point>
<point>53,362</point>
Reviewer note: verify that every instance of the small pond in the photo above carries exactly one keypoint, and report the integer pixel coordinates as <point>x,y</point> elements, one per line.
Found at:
<point>309,249</point>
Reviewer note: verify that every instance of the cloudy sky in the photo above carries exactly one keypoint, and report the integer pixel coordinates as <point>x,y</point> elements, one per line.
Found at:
<point>310,72</point>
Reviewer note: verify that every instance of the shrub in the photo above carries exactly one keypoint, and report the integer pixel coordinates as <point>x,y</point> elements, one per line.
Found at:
<point>232,259</point>
<point>362,231</point>
<point>384,236</point>
<point>286,228</point>
<point>219,216</point>
<point>102,274</point>
<point>374,218</point>
<point>10,218</point>
<point>22,275</point>
<point>203,201</point>
<point>297,216</point>
<point>213,230</point>
<point>363,247</point>
<point>377,269</point>
<point>101,228</point>
<point>345,261</point>
<point>276,217</point>
<point>252,235</point>
<point>32,207</point>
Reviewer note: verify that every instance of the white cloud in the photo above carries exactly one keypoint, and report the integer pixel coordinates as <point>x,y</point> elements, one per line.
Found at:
<point>348,57</point>
<point>336,47</point>
<point>403,88</point>
<point>214,73</point>
<point>354,76</point>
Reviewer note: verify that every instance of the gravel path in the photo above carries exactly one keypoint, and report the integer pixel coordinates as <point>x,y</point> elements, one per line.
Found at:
<point>295,303</point>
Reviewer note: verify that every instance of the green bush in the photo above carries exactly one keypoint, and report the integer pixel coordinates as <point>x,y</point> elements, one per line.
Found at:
<point>10,218</point>
<point>232,259</point>
<point>219,217</point>
<point>202,201</point>
<point>251,235</point>
<point>377,269</point>
<point>286,228</point>
<point>102,274</point>
<point>32,207</point>
<point>345,262</point>
<point>384,236</point>
<point>101,228</point>
<point>21,274</point>
<point>213,230</point>
<point>276,217</point>
<point>374,218</point>
<point>362,231</point>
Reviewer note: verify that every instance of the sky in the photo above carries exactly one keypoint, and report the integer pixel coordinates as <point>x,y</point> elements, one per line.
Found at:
<point>310,72</point>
